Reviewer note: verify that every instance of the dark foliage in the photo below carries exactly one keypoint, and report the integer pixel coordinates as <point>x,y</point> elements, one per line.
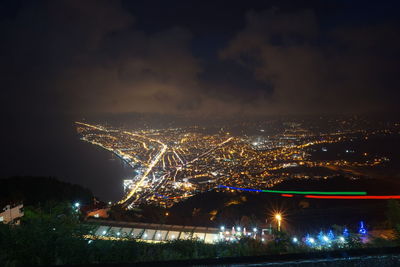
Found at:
<point>35,190</point>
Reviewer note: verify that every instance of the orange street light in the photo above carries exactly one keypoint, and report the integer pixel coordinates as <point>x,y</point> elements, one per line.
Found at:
<point>278,217</point>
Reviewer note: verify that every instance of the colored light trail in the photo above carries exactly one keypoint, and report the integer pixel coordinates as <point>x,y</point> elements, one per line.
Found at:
<point>314,192</point>
<point>302,193</point>
<point>354,197</point>
<point>178,197</point>
<point>295,192</point>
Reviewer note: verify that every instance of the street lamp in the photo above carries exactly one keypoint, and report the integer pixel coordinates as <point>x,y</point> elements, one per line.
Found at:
<point>278,217</point>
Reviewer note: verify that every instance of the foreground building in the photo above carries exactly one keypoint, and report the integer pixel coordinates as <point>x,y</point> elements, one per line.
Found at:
<point>12,214</point>
<point>152,232</point>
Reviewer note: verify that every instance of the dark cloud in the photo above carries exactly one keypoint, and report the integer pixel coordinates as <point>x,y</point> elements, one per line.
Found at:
<point>93,56</point>
<point>89,57</point>
<point>346,69</point>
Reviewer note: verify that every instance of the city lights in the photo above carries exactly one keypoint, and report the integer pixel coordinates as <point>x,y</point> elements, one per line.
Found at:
<point>177,163</point>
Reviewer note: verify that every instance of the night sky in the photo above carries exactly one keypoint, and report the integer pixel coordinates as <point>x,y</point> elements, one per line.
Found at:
<point>64,60</point>
<point>199,57</point>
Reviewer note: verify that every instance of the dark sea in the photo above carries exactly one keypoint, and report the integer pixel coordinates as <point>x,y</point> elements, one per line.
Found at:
<point>52,148</point>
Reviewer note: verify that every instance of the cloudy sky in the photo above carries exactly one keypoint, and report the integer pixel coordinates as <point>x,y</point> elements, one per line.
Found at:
<point>199,57</point>
<point>70,59</point>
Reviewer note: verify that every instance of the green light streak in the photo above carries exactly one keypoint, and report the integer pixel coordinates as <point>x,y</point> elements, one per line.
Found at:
<point>315,192</point>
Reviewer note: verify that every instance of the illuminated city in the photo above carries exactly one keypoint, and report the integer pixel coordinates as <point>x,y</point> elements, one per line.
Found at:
<point>170,165</point>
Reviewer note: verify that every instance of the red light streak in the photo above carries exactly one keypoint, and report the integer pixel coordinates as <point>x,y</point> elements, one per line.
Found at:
<point>354,197</point>
<point>287,195</point>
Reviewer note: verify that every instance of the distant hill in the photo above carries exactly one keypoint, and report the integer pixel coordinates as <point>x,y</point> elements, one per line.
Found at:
<point>35,190</point>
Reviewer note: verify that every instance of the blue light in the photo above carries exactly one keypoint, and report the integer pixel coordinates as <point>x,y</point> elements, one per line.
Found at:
<point>161,196</point>
<point>309,240</point>
<point>238,188</point>
<point>321,236</point>
<point>345,232</point>
<point>331,235</point>
<point>362,229</point>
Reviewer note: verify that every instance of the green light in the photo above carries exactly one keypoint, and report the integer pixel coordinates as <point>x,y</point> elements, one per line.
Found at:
<point>314,192</point>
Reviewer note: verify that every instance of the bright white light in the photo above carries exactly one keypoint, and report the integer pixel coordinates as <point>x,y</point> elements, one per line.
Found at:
<point>77,204</point>
<point>104,232</point>
<point>254,229</point>
<point>173,236</point>
<point>341,238</point>
<point>238,228</point>
<point>311,240</point>
<point>118,233</point>
<point>295,239</point>
<point>222,228</point>
<point>145,235</point>
<point>325,238</point>
<point>262,239</point>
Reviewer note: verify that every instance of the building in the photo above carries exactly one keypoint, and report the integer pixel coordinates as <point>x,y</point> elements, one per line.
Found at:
<point>151,232</point>
<point>12,214</point>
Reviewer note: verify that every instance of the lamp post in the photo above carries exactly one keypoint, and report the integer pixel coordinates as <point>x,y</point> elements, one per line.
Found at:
<point>278,217</point>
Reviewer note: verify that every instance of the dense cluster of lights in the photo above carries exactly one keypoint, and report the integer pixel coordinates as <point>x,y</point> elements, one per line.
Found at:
<point>176,163</point>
